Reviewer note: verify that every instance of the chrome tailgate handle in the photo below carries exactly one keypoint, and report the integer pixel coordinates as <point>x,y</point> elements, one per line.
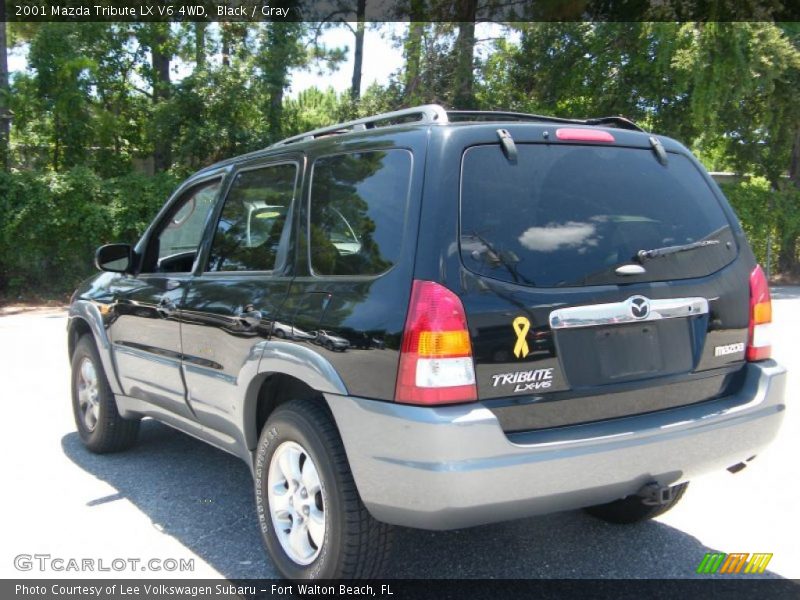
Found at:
<point>633,310</point>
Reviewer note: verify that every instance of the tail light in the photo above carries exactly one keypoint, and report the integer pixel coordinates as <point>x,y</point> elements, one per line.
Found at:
<point>759,345</point>
<point>436,354</point>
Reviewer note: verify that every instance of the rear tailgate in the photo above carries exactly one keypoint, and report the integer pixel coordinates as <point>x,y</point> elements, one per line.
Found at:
<point>568,323</point>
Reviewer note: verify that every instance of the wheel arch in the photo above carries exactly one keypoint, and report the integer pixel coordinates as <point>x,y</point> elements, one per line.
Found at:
<point>78,327</point>
<point>85,319</point>
<point>286,371</point>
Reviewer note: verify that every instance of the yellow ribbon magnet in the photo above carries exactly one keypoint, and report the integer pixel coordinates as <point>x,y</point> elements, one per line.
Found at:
<point>521,326</point>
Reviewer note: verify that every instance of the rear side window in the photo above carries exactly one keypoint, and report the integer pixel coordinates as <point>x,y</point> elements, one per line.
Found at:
<point>358,208</point>
<point>251,229</point>
<point>570,215</point>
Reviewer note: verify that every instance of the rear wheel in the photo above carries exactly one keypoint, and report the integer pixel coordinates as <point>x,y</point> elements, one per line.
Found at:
<point>633,509</point>
<point>312,520</point>
<point>99,424</point>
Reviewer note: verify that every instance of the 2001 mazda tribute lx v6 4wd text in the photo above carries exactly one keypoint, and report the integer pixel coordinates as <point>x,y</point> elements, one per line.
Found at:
<point>438,319</point>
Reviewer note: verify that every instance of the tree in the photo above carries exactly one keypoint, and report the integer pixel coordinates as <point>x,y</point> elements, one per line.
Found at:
<point>63,80</point>
<point>212,115</point>
<point>285,46</point>
<point>464,50</point>
<point>159,40</point>
<point>358,54</point>
<point>792,33</point>
<point>200,44</point>
<point>5,128</point>
<point>233,37</point>
<point>280,50</point>
<point>412,49</point>
<point>726,88</point>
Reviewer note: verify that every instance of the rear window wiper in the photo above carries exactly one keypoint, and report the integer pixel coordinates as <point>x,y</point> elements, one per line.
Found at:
<point>644,255</point>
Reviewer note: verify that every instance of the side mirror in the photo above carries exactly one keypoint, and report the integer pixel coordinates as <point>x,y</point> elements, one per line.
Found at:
<point>117,258</point>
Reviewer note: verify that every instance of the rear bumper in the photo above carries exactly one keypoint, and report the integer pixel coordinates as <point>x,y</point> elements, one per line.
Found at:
<point>451,467</point>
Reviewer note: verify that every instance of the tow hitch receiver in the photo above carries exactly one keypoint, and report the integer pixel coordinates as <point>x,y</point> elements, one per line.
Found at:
<point>654,494</point>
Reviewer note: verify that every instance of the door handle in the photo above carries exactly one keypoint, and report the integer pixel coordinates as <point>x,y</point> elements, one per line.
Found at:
<point>250,318</point>
<point>166,307</point>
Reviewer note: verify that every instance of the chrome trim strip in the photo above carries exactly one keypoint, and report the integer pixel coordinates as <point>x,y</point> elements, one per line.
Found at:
<point>618,313</point>
<point>147,355</point>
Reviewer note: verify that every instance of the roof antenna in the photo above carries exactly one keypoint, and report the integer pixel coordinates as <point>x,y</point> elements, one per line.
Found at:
<point>509,147</point>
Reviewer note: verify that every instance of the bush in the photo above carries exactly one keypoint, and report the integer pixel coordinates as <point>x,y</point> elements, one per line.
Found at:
<point>51,224</point>
<point>768,215</point>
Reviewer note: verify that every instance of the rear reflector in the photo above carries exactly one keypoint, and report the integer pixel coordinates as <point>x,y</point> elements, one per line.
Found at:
<point>436,353</point>
<point>584,135</point>
<point>759,345</point>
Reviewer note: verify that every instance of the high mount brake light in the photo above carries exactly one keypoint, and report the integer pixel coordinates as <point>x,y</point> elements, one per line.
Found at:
<point>436,353</point>
<point>583,135</point>
<point>759,344</point>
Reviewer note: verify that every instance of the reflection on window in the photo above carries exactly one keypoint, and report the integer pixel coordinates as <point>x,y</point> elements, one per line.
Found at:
<point>553,236</point>
<point>251,229</point>
<point>184,231</point>
<point>570,215</point>
<point>358,204</point>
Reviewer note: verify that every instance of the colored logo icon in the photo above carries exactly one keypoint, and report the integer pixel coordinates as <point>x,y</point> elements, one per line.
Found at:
<point>729,564</point>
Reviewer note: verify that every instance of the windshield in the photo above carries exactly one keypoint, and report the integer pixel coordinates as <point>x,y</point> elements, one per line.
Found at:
<point>571,215</point>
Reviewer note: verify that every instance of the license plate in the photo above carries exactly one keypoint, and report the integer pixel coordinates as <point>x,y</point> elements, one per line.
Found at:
<point>629,351</point>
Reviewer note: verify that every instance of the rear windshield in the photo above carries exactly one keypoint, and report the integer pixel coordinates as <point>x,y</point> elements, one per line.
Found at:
<point>567,215</point>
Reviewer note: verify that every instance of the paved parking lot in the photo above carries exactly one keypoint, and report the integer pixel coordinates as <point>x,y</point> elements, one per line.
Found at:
<point>175,497</point>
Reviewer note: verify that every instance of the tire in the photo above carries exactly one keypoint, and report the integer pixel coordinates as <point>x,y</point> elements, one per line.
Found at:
<point>99,424</point>
<point>280,333</point>
<point>632,509</point>
<point>353,544</point>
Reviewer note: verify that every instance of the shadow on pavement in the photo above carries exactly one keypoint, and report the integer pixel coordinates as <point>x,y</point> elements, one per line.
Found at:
<point>203,497</point>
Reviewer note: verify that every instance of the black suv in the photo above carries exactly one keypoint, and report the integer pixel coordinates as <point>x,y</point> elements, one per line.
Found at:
<point>438,319</point>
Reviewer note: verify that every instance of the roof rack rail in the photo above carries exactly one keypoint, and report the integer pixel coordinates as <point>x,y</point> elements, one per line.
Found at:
<point>433,113</point>
<point>494,115</point>
<point>428,113</point>
<point>620,122</point>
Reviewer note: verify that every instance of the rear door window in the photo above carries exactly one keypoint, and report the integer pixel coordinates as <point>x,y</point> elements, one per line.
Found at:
<point>358,208</point>
<point>566,215</point>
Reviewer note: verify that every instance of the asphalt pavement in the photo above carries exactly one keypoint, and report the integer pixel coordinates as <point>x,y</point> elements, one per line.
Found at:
<point>173,497</point>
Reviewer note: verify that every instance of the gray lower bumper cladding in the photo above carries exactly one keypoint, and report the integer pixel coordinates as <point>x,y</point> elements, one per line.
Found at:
<point>451,467</point>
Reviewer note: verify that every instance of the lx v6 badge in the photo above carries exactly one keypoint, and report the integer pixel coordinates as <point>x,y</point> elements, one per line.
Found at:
<point>525,381</point>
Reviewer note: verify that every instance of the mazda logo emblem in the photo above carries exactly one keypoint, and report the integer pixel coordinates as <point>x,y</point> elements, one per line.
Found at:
<point>640,307</point>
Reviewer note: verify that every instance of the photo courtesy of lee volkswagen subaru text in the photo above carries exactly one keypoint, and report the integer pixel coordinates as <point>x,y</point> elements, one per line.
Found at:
<point>438,319</point>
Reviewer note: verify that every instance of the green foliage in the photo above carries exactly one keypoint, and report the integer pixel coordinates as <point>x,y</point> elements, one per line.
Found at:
<point>754,121</point>
<point>214,116</point>
<point>766,215</point>
<point>51,223</point>
<point>77,103</point>
<point>727,90</point>
<point>313,109</point>
<point>102,95</point>
<point>95,103</point>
